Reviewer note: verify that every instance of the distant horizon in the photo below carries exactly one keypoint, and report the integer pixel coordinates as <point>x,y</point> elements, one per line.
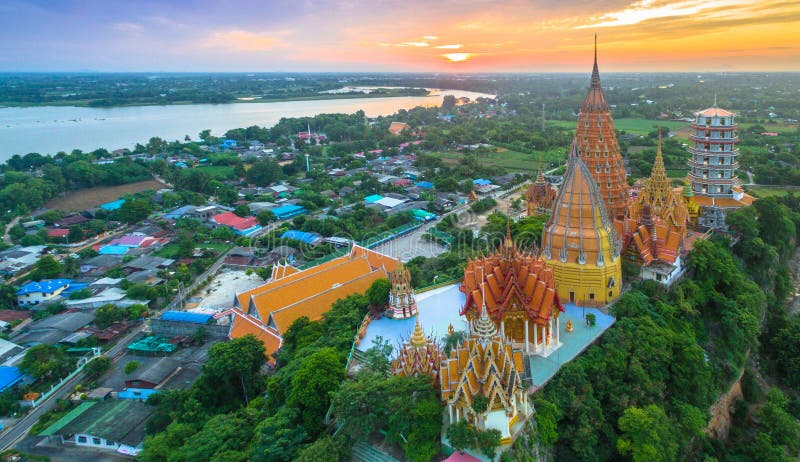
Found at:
<point>452,73</point>
<point>483,36</point>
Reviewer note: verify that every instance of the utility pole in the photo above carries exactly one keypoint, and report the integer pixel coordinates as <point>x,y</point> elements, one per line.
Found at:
<point>542,116</point>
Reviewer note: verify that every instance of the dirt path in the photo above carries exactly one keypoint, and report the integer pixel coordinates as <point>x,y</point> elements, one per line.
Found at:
<point>6,237</point>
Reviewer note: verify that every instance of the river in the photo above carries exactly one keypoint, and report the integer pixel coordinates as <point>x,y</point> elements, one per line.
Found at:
<point>49,129</point>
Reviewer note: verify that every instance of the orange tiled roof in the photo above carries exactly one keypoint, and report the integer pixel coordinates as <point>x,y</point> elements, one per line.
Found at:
<point>318,303</point>
<point>282,295</point>
<point>245,325</point>
<point>376,260</point>
<point>724,202</point>
<point>510,280</point>
<point>715,111</point>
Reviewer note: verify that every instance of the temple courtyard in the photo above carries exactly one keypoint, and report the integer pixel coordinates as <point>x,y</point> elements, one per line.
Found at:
<point>439,308</point>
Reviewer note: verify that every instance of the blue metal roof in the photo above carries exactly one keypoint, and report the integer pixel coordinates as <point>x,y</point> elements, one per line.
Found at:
<point>302,236</point>
<point>183,316</point>
<point>425,184</point>
<point>481,182</point>
<point>9,376</point>
<point>113,205</point>
<point>373,198</point>
<point>113,250</point>
<point>288,211</point>
<point>178,213</point>
<point>45,285</point>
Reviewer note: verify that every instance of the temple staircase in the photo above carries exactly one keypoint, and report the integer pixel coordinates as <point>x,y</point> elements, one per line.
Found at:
<point>365,452</point>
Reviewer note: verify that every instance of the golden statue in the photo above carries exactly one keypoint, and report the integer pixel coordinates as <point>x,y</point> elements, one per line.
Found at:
<point>569,325</point>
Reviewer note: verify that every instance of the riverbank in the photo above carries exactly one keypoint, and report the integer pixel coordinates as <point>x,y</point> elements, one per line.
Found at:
<point>244,100</point>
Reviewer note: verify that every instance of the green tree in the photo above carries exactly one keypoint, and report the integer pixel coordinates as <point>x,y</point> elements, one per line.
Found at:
<point>133,211</point>
<point>8,297</point>
<point>242,210</point>
<point>234,368</point>
<point>324,449</point>
<point>46,267</point>
<point>489,441</point>
<point>461,436</point>
<point>265,217</point>
<point>264,172</point>
<point>311,385</point>
<point>46,361</point>
<point>98,366</point>
<point>107,315</point>
<point>647,435</point>
<point>278,438</point>
<point>131,366</point>
<point>75,234</point>
<point>378,293</point>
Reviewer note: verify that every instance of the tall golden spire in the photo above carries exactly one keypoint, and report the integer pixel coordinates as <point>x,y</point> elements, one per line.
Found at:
<point>657,192</point>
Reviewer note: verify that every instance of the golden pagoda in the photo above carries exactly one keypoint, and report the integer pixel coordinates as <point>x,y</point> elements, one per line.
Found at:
<point>540,196</point>
<point>654,227</point>
<point>485,366</point>
<point>519,293</point>
<point>596,143</point>
<point>579,242</point>
<point>418,356</point>
<point>402,304</point>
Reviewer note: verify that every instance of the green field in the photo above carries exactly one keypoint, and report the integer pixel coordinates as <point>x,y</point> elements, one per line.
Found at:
<point>218,172</point>
<point>633,126</point>
<point>512,160</point>
<point>777,191</point>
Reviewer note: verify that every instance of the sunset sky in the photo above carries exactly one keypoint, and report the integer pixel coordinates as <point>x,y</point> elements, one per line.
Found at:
<point>388,35</point>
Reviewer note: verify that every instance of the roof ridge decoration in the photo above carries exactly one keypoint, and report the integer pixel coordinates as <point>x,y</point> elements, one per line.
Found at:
<point>418,338</point>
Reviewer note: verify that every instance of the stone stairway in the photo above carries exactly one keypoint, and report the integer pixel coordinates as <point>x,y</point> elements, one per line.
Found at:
<point>365,452</point>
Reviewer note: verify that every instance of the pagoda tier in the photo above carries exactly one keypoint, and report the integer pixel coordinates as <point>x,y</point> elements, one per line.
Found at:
<point>579,242</point>
<point>540,196</point>
<point>519,293</point>
<point>596,143</point>
<point>485,366</point>
<point>402,303</point>
<point>664,202</point>
<point>418,356</point>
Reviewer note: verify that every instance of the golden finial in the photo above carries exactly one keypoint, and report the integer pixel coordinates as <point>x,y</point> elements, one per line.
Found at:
<point>570,328</point>
<point>418,337</point>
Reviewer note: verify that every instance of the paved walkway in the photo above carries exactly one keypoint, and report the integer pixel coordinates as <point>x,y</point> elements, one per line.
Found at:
<point>573,343</point>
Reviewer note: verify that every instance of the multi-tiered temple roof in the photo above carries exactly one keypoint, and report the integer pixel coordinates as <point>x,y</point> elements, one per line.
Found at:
<point>540,196</point>
<point>418,356</point>
<point>596,143</point>
<point>483,365</point>
<point>655,224</point>
<point>510,282</point>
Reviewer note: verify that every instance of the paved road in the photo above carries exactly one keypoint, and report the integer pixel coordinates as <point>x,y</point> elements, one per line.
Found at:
<point>411,245</point>
<point>21,428</point>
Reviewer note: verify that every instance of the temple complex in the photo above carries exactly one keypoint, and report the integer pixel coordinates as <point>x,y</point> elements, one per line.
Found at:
<point>268,310</point>
<point>418,356</point>
<point>579,242</point>
<point>654,227</point>
<point>401,296</point>
<point>520,297</point>
<point>540,196</point>
<point>485,368</point>
<point>596,144</point>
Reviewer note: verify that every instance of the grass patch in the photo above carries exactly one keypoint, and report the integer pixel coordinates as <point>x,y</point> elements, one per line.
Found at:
<point>632,126</point>
<point>219,172</point>
<point>511,160</point>
<point>777,191</point>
